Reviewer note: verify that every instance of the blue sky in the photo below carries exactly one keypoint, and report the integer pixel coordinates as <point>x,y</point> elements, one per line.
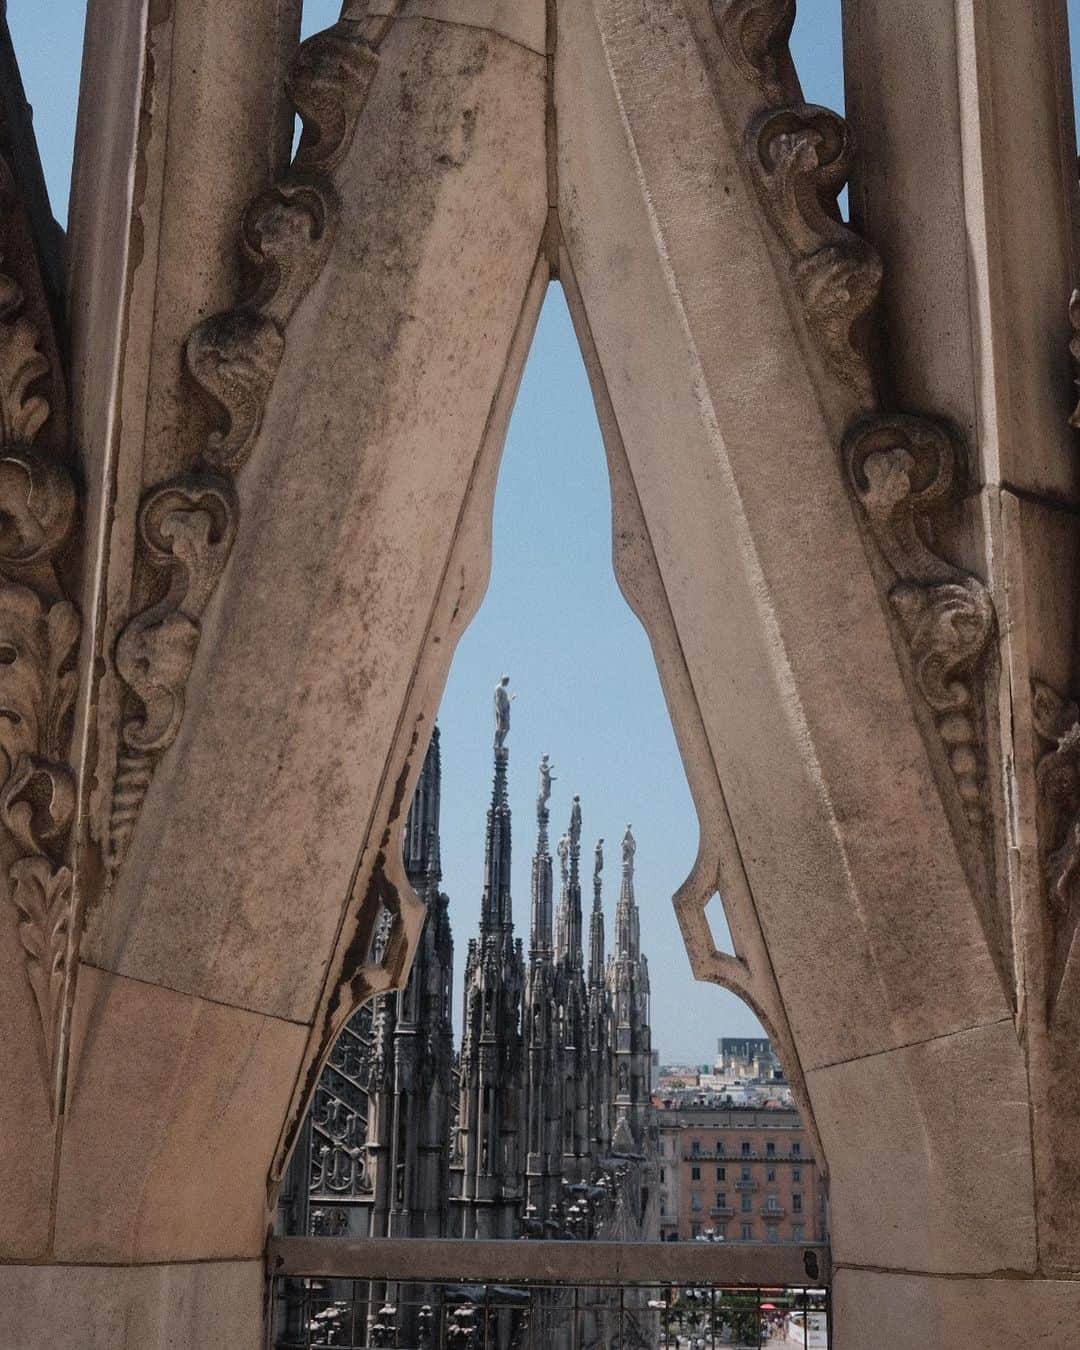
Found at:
<point>553,618</point>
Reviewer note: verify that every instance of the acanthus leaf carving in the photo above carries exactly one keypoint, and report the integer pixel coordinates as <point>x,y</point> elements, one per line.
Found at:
<point>1074,351</point>
<point>801,156</point>
<point>187,525</point>
<point>1057,780</point>
<point>899,466</point>
<point>42,896</point>
<point>755,34</point>
<point>39,638</point>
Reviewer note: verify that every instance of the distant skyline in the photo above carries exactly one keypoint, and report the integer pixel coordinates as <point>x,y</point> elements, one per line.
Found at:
<point>553,618</point>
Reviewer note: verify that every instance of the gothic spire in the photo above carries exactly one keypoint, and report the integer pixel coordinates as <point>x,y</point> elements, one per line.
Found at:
<point>422,861</point>
<point>573,952</point>
<point>627,921</point>
<point>542,884</point>
<point>596,923</point>
<point>496,910</point>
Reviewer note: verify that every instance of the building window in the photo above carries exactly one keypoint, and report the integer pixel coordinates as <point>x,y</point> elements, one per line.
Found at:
<point>663,1175</point>
<point>773,1235</point>
<point>746,1148</point>
<point>721,1199</point>
<point>770,1149</point>
<point>663,1208</point>
<point>695,1230</point>
<point>663,1148</point>
<point>748,1232</point>
<point>796,1149</point>
<point>695,1174</point>
<point>695,1201</point>
<point>721,1231</point>
<point>796,1174</point>
<point>771,1202</point>
<point>747,1202</point>
<point>695,1147</point>
<point>770,1175</point>
<point>719,1148</point>
<point>721,1174</point>
<point>796,1203</point>
<point>746,1174</point>
<point>797,1231</point>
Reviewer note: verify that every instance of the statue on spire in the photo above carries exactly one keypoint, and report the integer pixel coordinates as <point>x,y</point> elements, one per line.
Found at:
<point>564,859</point>
<point>543,795</point>
<point>598,862</point>
<point>629,848</point>
<point>502,711</point>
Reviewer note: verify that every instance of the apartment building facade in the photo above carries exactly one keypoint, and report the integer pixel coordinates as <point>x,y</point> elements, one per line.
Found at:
<point>739,1174</point>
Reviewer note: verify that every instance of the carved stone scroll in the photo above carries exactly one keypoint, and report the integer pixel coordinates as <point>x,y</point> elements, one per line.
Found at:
<point>1057,777</point>
<point>39,638</point>
<point>187,525</point>
<point>899,467</point>
<point>801,156</point>
<point>186,528</point>
<point>755,34</point>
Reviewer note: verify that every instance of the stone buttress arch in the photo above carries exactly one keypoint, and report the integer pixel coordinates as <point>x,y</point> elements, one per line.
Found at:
<point>288,530</point>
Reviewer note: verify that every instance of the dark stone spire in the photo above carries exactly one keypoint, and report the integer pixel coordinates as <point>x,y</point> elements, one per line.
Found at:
<point>573,953</point>
<point>421,849</point>
<point>541,940</point>
<point>496,907</point>
<point>627,919</point>
<point>596,923</point>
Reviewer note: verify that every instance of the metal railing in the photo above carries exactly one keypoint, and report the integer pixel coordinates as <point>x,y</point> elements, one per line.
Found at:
<point>419,1294</point>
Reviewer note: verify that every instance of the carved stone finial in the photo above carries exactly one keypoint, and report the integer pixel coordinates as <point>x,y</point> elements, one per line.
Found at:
<point>598,861</point>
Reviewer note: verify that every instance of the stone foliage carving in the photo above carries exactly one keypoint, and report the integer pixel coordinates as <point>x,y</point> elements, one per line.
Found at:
<point>801,156</point>
<point>39,638</point>
<point>1057,777</point>
<point>187,525</point>
<point>1074,351</point>
<point>899,467</point>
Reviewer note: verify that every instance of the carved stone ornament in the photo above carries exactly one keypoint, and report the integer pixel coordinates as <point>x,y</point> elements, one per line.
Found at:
<point>1074,351</point>
<point>755,34</point>
<point>802,156</point>
<point>1057,778</point>
<point>899,467</point>
<point>39,638</point>
<point>187,525</point>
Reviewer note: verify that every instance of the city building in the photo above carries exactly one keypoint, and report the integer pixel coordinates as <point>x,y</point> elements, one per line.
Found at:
<point>747,1057</point>
<point>739,1175</point>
